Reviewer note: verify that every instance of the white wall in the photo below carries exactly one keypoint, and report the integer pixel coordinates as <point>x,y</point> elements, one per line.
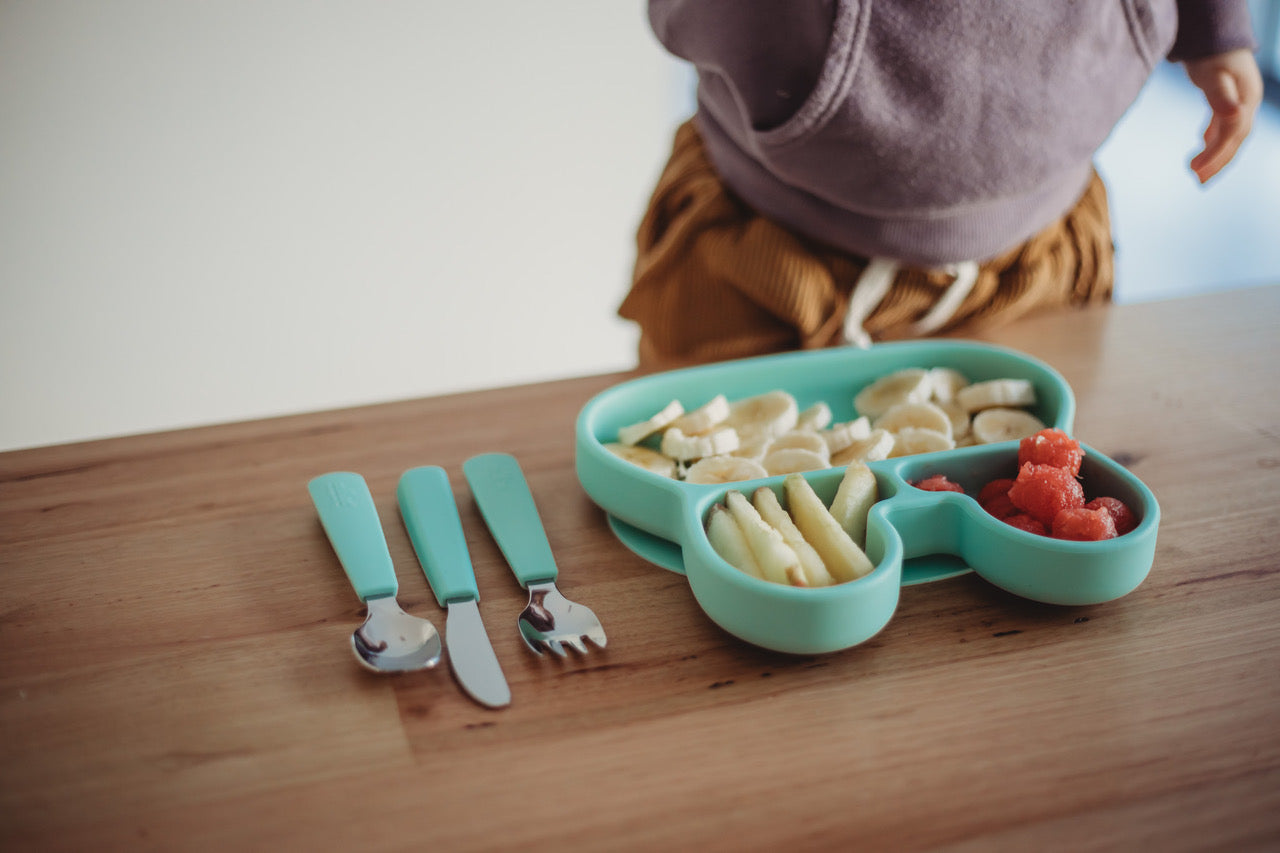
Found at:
<point>229,209</point>
<point>212,211</point>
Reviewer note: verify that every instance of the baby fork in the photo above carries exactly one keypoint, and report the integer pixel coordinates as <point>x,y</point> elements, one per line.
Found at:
<point>550,621</point>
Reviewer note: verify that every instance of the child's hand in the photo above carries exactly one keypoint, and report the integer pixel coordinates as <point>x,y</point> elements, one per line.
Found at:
<point>1232,85</point>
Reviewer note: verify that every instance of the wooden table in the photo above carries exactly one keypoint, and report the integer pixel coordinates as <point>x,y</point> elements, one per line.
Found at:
<point>175,675</point>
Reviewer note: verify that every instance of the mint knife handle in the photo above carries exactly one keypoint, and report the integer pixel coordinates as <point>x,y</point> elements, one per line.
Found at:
<point>351,522</point>
<point>503,495</point>
<point>431,517</point>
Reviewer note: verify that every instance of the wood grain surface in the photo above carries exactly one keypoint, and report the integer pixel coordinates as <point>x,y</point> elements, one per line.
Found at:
<point>175,671</point>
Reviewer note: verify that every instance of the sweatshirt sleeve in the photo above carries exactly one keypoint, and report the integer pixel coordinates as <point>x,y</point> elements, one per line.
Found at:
<point>1209,27</point>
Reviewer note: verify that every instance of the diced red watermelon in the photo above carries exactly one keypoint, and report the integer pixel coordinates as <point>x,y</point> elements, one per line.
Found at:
<point>938,483</point>
<point>1046,497</point>
<point>1051,447</point>
<point>994,498</point>
<point>1084,525</point>
<point>1043,491</point>
<point>1022,521</point>
<point>1120,513</point>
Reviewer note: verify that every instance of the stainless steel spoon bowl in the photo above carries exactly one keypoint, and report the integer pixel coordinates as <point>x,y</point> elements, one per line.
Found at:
<point>390,640</point>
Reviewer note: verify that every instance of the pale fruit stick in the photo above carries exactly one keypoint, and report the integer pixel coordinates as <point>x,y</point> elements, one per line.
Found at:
<point>777,561</point>
<point>726,538</point>
<point>841,555</point>
<point>854,497</point>
<point>815,571</point>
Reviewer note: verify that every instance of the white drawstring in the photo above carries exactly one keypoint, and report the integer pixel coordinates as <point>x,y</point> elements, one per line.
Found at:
<point>873,285</point>
<point>868,291</point>
<point>966,273</point>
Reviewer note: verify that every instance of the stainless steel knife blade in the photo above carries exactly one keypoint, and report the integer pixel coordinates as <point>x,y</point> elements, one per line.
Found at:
<point>471,656</point>
<point>431,517</point>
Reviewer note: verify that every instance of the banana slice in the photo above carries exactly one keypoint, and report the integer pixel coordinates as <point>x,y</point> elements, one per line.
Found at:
<point>793,460</point>
<point>816,417</point>
<point>753,444</point>
<point>991,425</point>
<point>777,561</point>
<point>959,415</point>
<point>917,415</point>
<point>1004,393</point>
<point>772,413</point>
<point>644,457</point>
<point>727,539</point>
<point>910,385</point>
<point>724,469</point>
<point>842,435</point>
<point>946,382</point>
<point>638,432</point>
<point>814,571</point>
<point>909,441</point>
<point>873,448</point>
<point>803,439</point>
<point>703,418</point>
<point>684,448</point>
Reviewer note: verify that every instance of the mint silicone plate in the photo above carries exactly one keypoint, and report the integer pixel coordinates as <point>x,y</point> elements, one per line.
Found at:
<point>912,536</point>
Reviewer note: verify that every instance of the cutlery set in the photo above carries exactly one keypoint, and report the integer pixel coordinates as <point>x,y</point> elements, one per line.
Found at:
<point>391,640</point>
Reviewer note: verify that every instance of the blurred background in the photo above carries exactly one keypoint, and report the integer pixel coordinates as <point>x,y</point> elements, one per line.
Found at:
<point>217,211</point>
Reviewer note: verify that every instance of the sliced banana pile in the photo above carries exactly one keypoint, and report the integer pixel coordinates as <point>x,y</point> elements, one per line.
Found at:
<point>939,408</point>
<point>803,543</point>
<point>914,410</point>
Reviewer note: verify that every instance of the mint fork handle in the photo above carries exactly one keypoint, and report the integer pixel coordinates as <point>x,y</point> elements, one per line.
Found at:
<point>350,520</point>
<point>431,517</point>
<point>503,495</point>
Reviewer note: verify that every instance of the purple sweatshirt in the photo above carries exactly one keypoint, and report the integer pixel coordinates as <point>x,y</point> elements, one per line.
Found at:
<point>927,132</point>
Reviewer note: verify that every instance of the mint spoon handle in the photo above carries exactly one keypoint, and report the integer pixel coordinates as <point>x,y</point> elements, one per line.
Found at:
<point>350,520</point>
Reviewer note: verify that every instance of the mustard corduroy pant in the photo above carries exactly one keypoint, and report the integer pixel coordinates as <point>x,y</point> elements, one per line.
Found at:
<point>713,280</point>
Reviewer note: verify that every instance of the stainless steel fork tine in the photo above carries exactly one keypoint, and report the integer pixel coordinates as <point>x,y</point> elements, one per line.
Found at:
<point>554,645</point>
<point>577,644</point>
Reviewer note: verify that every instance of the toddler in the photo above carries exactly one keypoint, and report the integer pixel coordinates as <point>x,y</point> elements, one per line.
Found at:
<point>878,169</point>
